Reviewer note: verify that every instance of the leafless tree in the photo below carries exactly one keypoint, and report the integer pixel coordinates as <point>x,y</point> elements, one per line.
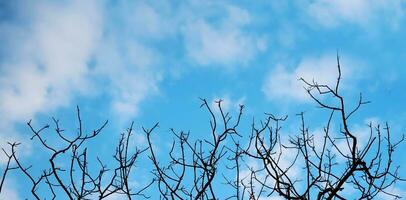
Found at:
<point>330,165</point>
<point>366,167</point>
<point>231,163</point>
<point>10,155</point>
<point>69,175</point>
<point>194,165</point>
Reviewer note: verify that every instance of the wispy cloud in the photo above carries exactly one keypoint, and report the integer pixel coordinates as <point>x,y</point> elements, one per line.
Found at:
<point>50,66</point>
<point>332,13</point>
<point>66,50</point>
<point>9,191</point>
<point>283,83</point>
<point>71,49</point>
<point>62,51</point>
<point>128,72</point>
<point>222,42</point>
<point>44,64</point>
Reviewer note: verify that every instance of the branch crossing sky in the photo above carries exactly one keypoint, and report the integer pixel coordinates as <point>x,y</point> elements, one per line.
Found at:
<point>150,61</point>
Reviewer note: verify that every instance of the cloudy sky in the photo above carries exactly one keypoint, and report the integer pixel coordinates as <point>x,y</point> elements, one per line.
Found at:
<point>150,61</point>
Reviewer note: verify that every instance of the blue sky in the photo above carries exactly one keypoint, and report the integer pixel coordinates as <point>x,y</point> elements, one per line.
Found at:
<point>150,61</point>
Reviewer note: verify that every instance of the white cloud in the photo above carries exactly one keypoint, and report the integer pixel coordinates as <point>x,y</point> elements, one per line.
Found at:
<point>211,33</point>
<point>46,61</point>
<point>9,191</point>
<point>129,72</point>
<point>129,90</point>
<point>50,60</point>
<point>394,190</point>
<point>282,83</point>
<point>51,64</point>
<point>331,13</point>
<point>147,20</point>
<point>223,42</point>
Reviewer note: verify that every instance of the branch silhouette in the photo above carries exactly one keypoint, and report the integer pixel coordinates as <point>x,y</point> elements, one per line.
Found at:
<point>232,162</point>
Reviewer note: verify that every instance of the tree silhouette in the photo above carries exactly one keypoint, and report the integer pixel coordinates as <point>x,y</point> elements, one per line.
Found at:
<point>230,164</point>
<point>368,167</point>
